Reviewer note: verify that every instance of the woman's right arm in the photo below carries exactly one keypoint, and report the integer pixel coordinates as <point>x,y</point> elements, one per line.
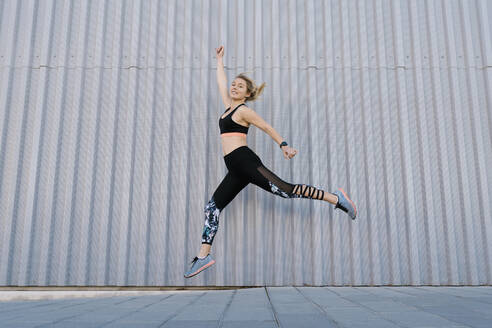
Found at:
<point>222,78</point>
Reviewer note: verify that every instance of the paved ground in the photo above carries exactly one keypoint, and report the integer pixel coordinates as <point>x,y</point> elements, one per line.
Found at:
<point>262,307</point>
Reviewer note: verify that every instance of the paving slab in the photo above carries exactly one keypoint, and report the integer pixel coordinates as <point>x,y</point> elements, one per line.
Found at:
<point>292,306</point>
<point>418,319</point>
<point>249,323</point>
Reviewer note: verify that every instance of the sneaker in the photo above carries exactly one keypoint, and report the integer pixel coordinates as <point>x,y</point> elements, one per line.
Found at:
<point>345,203</point>
<point>199,265</point>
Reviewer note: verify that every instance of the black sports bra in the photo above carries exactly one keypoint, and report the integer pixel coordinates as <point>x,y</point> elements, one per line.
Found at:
<point>226,124</point>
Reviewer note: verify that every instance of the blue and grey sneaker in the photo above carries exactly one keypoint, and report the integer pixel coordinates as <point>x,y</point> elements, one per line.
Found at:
<point>345,203</point>
<point>199,265</point>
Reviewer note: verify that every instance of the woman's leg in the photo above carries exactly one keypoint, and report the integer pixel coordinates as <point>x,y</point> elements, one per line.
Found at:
<point>230,186</point>
<point>269,181</point>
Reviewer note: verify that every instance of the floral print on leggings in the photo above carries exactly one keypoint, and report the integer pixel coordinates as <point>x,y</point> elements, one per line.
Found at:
<point>211,222</point>
<point>277,191</point>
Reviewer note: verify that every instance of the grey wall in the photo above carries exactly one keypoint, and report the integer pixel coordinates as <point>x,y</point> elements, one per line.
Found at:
<point>110,147</point>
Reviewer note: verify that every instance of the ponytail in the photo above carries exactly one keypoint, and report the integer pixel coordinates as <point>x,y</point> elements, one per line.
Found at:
<point>253,89</point>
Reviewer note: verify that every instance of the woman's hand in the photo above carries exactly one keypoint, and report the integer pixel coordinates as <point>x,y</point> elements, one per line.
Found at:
<point>219,52</point>
<point>289,152</point>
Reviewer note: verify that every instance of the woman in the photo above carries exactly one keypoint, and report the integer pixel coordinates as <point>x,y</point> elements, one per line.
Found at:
<point>245,166</point>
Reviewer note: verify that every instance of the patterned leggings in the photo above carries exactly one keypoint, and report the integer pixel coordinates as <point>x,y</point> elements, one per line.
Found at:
<point>244,167</point>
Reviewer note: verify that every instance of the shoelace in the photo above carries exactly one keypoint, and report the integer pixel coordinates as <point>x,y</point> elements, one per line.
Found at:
<point>343,208</point>
<point>196,259</point>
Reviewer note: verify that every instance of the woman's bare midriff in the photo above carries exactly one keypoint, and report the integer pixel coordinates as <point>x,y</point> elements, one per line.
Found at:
<point>232,140</point>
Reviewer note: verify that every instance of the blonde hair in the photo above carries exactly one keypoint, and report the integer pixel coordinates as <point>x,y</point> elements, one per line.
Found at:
<point>252,87</point>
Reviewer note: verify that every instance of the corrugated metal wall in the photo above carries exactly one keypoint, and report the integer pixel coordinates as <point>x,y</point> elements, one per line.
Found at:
<point>110,147</point>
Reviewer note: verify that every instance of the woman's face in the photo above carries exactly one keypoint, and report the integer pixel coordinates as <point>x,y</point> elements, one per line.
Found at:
<point>238,89</point>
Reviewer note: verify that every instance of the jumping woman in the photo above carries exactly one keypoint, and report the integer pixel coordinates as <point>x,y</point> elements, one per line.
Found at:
<point>245,166</point>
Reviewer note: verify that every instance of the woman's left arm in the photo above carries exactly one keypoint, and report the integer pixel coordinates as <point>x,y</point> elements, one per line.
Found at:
<point>251,117</point>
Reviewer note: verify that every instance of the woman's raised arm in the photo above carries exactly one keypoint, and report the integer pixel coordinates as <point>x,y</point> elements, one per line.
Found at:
<point>222,78</point>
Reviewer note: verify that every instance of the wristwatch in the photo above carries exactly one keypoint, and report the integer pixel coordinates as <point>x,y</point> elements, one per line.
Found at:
<point>283,144</point>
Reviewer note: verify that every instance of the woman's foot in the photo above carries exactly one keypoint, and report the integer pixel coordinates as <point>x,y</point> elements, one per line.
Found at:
<point>199,265</point>
<point>345,203</point>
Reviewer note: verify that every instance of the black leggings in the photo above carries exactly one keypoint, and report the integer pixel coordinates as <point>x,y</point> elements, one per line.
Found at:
<point>244,167</point>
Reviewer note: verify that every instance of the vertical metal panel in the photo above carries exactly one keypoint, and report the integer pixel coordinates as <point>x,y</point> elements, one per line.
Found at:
<point>110,149</point>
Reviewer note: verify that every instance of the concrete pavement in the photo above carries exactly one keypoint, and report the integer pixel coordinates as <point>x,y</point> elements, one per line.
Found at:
<point>258,307</point>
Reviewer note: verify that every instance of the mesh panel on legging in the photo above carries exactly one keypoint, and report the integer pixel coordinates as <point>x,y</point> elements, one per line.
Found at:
<point>288,190</point>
